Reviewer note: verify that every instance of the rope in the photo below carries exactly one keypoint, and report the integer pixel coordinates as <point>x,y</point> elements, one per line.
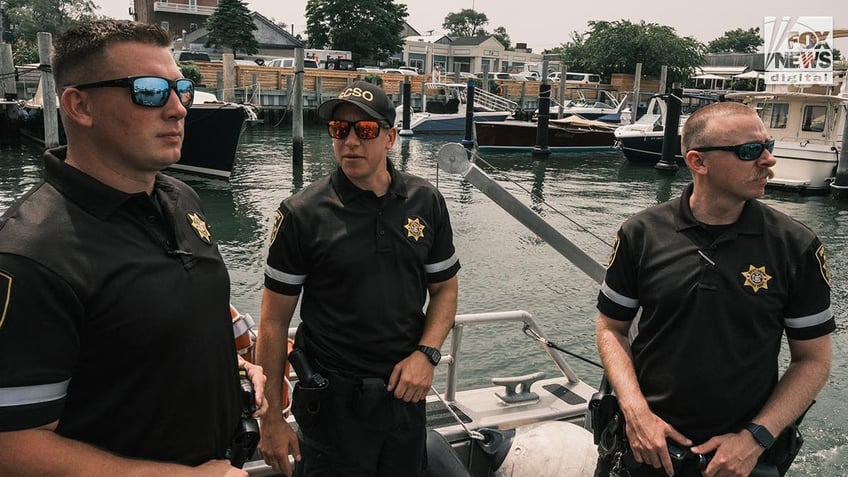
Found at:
<point>479,158</point>
<point>550,344</point>
<point>472,434</point>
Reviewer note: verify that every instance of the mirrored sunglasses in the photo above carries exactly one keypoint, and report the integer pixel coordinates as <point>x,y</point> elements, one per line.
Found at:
<point>365,129</point>
<point>749,151</point>
<point>148,91</point>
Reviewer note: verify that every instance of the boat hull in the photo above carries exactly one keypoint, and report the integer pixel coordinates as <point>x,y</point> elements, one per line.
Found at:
<point>805,167</point>
<point>434,123</point>
<point>213,132</point>
<point>521,136</point>
<point>646,148</point>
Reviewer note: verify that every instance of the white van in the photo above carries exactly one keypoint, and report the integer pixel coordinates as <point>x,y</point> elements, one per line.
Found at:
<point>576,78</point>
<point>289,63</point>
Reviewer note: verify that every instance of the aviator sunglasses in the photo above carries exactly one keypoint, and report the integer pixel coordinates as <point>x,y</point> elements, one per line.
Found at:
<point>365,129</point>
<point>148,91</point>
<point>747,152</point>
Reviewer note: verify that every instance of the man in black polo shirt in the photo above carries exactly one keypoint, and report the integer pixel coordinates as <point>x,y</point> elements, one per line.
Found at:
<point>719,278</point>
<point>366,245</point>
<point>116,343</point>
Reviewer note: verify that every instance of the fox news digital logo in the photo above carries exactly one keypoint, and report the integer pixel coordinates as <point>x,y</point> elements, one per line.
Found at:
<point>798,52</point>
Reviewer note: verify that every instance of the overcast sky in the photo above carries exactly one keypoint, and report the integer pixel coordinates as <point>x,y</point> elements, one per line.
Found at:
<point>548,23</point>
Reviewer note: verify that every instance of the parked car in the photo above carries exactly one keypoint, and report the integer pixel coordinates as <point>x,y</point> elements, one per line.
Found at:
<point>399,71</point>
<point>576,78</point>
<point>369,69</point>
<point>501,76</point>
<point>289,63</point>
<point>186,55</point>
<point>411,68</point>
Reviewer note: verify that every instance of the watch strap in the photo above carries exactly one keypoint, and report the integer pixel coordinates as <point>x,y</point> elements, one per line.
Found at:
<point>433,354</point>
<point>761,435</point>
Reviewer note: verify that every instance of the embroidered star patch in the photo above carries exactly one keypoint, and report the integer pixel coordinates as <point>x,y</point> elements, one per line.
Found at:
<point>199,227</point>
<point>414,228</point>
<point>278,221</point>
<point>823,264</point>
<point>756,278</point>
<point>5,292</point>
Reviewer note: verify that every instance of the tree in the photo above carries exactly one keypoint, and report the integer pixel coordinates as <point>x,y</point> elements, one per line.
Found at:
<point>23,19</point>
<point>466,23</point>
<point>737,41</point>
<point>367,28</point>
<point>616,47</point>
<point>501,35</point>
<point>231,26</point>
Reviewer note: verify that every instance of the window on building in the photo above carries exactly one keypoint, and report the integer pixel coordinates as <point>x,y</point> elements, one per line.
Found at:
<point>192,26</point>
<point>165,26</point>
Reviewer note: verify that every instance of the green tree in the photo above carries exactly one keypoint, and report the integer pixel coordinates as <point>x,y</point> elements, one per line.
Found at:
<point>232,27</point>
<point>736,41</point>
<point>367,28</point>
<point>616,47</point>
<point>23,19</point>
<point>466,23</point>
<point>501,35</point>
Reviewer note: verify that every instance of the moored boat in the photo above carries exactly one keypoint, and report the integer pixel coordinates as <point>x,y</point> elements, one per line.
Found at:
<point>642,141</point>
<point>807,129</point>
<point>212,133</point>
<point>444,109</point>
<point>572,134</point>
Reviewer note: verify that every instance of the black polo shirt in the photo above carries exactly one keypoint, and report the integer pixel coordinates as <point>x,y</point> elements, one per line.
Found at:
<point>714,308</point>
<point>116,319</point>
<point>364,263</point>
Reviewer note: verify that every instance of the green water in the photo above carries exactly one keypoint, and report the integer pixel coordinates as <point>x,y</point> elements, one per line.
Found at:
<point>504,266</point>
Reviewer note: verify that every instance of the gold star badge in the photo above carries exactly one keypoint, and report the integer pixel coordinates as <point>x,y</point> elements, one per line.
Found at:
<point>756,278</point>
<point>414,228</point>
<point>199,227</point>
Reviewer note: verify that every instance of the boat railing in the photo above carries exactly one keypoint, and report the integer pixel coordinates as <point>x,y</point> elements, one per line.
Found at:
<point>453,359</point>
<point>492,102</point>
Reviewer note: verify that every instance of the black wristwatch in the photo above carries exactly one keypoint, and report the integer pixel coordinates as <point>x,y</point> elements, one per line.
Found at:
<point>761,435</point>
<point>432,354</point>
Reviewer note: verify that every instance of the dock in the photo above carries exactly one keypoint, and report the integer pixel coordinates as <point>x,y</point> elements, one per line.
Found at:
<point>270,87</point>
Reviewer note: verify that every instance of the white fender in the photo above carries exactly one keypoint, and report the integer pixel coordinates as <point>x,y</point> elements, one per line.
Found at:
<point>550,449</point>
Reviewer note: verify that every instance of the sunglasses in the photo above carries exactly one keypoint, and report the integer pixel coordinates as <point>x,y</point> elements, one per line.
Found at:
<point>365,129</point>
<point>148,91</point>
<point>749,151</point>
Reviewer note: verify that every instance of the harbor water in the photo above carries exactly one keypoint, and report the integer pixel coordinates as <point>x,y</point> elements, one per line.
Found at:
<point>504,265</point>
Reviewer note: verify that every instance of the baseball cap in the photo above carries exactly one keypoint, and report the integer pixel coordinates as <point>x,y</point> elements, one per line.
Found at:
<point>368,97</point>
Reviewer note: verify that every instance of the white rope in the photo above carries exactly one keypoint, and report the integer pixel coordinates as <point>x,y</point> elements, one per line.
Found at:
<point>472,434</point>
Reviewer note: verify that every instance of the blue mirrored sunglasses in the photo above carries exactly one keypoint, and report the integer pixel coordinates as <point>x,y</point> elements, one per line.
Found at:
<point>148,91</point>
<point>747,152</point>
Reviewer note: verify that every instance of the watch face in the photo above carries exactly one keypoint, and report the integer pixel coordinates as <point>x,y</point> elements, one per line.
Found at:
<point>436,357</point>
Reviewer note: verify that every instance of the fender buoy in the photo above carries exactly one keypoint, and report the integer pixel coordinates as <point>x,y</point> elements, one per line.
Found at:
<point>244,333</point>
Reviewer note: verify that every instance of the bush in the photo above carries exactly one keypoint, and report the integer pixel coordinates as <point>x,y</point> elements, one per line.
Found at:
<point>376,79</point>
<point>192,72</point>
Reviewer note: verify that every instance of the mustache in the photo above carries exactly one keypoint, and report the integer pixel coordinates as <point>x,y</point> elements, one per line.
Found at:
<point>765,173</point>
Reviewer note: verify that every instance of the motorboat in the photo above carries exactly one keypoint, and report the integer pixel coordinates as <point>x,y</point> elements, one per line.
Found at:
<point>534,424</point>
<point>571,134</point>
<point>444,108</point>
<point>642,141</point>
<point>606,107</point>
<point>213,130</point>
<point>808,129</point>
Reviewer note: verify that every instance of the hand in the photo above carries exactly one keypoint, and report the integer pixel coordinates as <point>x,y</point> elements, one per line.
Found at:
<point>411,378</point>
<point>214,468</point>
<point>277,442</point>
<point>257,377</point>
<point>736,454</point>
<point>647,435</point>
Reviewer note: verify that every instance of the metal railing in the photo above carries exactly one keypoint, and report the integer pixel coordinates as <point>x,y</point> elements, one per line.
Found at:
<point>492,102</point>
<point>183,8</point>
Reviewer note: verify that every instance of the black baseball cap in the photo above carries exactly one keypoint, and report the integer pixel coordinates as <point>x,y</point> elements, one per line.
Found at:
<point>368,97</point>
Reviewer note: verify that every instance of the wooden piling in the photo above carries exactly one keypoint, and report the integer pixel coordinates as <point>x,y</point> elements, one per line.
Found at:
<point>48,91</point>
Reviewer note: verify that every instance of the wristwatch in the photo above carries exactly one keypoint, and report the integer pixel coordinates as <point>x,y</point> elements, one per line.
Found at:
<point>761,435</point>
<point>432,354</point>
